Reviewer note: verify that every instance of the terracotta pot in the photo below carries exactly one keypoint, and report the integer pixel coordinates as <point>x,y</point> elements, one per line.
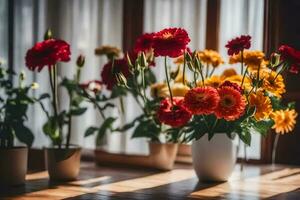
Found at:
<point>13,166</point>
<point>161,156</point>
<point>214,160</point>
<point>184,154</point>
<point>184,150</point>
<point>63,164</point>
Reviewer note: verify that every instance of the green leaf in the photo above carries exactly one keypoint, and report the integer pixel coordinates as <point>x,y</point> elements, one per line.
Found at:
<point>78,111</point>
<point>291,105</point>
<point>263,126</point>
<point>147,129</point>
<point>90,131</point>
<point>44,96</point>
<point>24,134</point>
<point>245,134</point>
<point>107,124</point>
<point>276,103</point>
<point>51,129</point>
<point>150,77</point>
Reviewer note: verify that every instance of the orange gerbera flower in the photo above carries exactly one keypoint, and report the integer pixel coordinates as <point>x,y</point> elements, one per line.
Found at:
<point>231,105</point>
<point>202,100</point>
<point>285,120</point>
<point>262,104</point>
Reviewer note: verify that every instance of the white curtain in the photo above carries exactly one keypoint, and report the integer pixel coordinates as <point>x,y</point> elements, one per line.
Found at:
<point>3,31</point>
<point>190,15</point>
<point>85,25</point>
<point>242,17</point>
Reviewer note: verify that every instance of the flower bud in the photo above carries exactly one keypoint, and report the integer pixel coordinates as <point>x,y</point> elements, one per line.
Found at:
<point>48,34</point>
<point>35,86</point>
<point>22,76</point>
<point>275,59</point>
<point>143,60</point>
<point>121,79</point>
<point>188,57</point>
<point>80,60</point>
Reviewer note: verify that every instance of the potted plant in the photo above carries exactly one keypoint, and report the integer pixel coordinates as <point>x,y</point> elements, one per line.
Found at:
<point>228,105</point>
<point>63,158</point>
<point>14,104</point>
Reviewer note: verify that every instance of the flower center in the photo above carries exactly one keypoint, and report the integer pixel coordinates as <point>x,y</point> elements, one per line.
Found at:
<point>228,101</point>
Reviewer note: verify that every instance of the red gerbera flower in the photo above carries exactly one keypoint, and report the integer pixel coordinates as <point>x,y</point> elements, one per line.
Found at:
<point>144,43</point>
<point>109,72</point>
<point>94,86</point>
<point>233,85</point>
<point>290,55</point>
<point>238,44</point>
<point>174,115</point>
<point>47,53</point>
<point>202,100</point>
<point>170,42</point>
<point>231,105</point>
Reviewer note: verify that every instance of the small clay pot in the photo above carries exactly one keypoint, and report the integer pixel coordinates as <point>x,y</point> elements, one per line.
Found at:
<point>63,164</point>
<point>163,155</point>
<point>13,166</point>
<point>184,150</point>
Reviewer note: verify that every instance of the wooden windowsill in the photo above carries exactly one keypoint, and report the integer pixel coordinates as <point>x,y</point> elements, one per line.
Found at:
<point>115,182</point>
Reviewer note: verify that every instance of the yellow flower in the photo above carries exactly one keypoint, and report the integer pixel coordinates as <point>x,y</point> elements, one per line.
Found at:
<point>156,90</point>
<point>179,89</point>
<point>229,72</point>
<point>213,81</point>
<point>109,51</point>
<point>238,80</point>
<point>252,59</point>
<point>162,90</point>
<point>276,87</point>
<point>285,120</point>
<point>262,104</point>
<point>210,57</point>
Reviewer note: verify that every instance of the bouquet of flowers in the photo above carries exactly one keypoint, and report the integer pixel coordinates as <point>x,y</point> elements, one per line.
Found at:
<point>229,103</point>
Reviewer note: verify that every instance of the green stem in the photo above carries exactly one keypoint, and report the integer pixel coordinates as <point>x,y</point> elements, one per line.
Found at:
<point>280,71</point>
<point>207,70</point>
<point>212,71</point>
<point>195,79</point>
<point>257,77</point>
<point>53,85</point>
<point>96,104</point>
<point>242,62</point>
<point>244,75</point>
<point>69,123</point>
<point>184,66</point>
<point>168,81</point>
<point>122,105</point>
<point>275,148</point>
<point>144,86</point>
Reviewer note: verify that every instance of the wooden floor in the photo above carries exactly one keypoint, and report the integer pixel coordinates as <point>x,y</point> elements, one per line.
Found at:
<point>255,182</point>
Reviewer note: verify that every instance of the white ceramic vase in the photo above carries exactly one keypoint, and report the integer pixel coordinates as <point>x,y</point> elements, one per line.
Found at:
<point>214,160</point>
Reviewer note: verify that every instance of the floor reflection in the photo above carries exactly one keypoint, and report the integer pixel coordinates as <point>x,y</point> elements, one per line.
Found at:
<point>257,187</point>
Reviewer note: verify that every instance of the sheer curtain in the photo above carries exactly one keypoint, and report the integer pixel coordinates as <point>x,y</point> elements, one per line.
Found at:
<point>3,31</point>
<point>242,17</point>
<point>85,25</point>
<point>190,15</point>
